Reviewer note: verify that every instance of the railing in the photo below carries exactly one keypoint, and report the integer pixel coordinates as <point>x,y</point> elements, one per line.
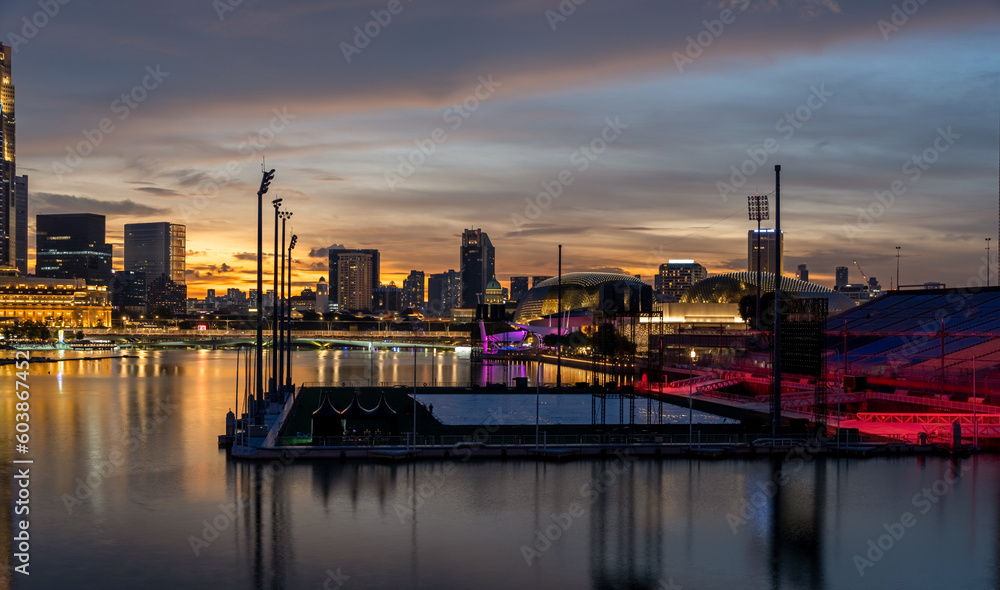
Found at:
<point>471,442</point>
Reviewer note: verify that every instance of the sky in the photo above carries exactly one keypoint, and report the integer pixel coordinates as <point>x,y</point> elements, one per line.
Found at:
<point>630,132</point>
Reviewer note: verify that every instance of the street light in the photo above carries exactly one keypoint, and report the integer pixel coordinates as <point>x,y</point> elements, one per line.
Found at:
<point>288,354</point>
<point>280,298</point>
<point>273,383</point>
<point>265,183</point>
<point>691,403</point>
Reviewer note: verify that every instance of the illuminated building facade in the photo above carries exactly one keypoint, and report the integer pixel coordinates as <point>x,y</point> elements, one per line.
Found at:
<point>676,276</point>
<point>72,246</point>
<point>156,249</point>
<point>8,192</point>
<point>58,303</point>
<point>354,273</point>
<point>478,258</point>
<point>413,290</point>
<point>335,252</point>
<point>21,223</point>
<point>443,292</point>
<point>767,245</point>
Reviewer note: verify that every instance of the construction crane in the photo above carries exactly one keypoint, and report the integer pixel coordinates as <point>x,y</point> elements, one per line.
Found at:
<point>861,270</point>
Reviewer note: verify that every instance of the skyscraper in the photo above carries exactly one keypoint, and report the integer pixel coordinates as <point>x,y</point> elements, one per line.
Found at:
<point>333,269</point>
<point>413,290</point>
<point>21,223</point>
<point>156,249</point>
<point>354,273</point>
<point>767,248</point>
<point>72,246</point>
<point>8,196</point>
<point>803,273</point>
<point>518,287</point>
<point>841,274</point>
<point>443,292</point>
<point>676,276</point>
<point>478,260</point>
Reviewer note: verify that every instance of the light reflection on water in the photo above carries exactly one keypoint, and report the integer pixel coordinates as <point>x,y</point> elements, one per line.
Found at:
<point>102,519</point>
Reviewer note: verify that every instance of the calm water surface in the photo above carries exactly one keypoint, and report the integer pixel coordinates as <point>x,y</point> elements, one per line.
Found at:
<point>129,490</point>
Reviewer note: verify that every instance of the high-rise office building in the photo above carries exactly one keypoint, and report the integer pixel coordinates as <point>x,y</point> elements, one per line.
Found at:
<point>538,279</point>
<point>9,218</point>
<point>128,292</point>
<point>413,290</point>
<point>767,245</point>
<point>333,269</point>
<point>21,223</point>
<point>387,297</point>
<point>803,273</point>
<point>443,292</point>
<point>676,276</point>
<point>156,249</point>
<point>478,260</point>
<point>354,273</point>
<point>162,292</point>
<point>841,277</point>
<point>72,246</point>
<point>518,287</point>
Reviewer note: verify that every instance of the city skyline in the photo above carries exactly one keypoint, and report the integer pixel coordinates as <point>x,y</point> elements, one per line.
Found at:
<point>891,115</point>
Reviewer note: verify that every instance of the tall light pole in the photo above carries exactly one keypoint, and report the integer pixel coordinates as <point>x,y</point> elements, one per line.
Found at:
<point>691,403</point>
<point>265,183</point>
<point>757,206</point>
<point>285,215</point>
<point>897,268</point>
<point>776,393</point>
<point>288,353</point>
<point>273,384</point>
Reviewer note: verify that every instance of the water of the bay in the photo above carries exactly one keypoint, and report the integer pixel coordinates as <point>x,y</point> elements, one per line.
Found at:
<point>129,490</point>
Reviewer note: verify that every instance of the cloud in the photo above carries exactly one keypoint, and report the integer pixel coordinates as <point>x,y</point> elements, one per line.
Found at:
<point>324,252</point>
<point>160,192</point>
<point>249,256</point>
<point>45,203</point>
